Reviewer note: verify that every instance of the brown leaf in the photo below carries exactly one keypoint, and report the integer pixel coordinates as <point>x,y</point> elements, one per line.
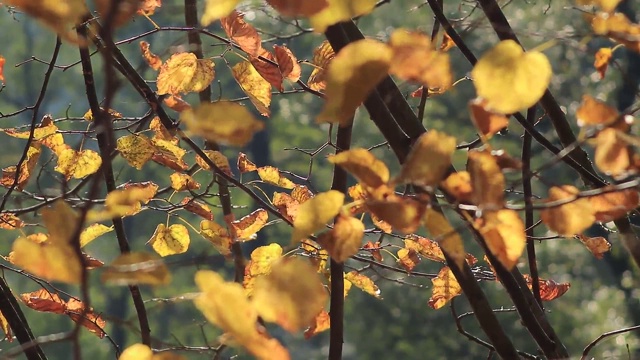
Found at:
<point>408,258</point>
<point>244,164</point>
<point>549,289</point>
<point>44,300</point>
<point>267,67</point>
<point>295,8</point>
<point>152,59</point>
<point>91,321</point>
<point>287,62</point>
<point>322,56</point>
<point>610,206</point>
<point>597,245</point>
<point>197,207</point>
<point>242,33</point>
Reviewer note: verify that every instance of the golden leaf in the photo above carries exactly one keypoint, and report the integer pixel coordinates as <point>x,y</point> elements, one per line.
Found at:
<point>429,160</point>
<point>509,79</point>
<point>78,164</point>
<point>137,268</point>
<point>340,10</point>
<point>60,16</point>
<point>597,245</point>
<point>175,103</point>
<point>445,288</point>
<point>92,232</point>
<point>86,317</point>
<point>601,62</point>
<point>218,159</point>
<point>611,206</point>
<point>315,213</point>
<point>503,232</point>
<point>223,122</point>
<point>217,235</point>
<point>486,121</point>
<point>321,323</point>
<point>9,221</point>
<point>4,324</point>
<point>197,207</point>
<point>51,261</point>
<point>217,9</point>
<point>247,227</point>
<point>363,283</point>
<point>408,258</point>
<point>137,352</point>
<point>152,59</point>
<point>458,184</point>
<point>148,8</point>
<point>271,175</point>
<point>425,247</point>
<point>262,258</point>
<point>364,166</point>
<point>185,73</point>
<point>593,112</point>
<point>136,149</point>
<point>182,182</point>
<point>170,240</point>
<point>487,179</point>
<point>9,173</point>
<point>570,218</point>
<point>322,56</point>
<point>352,75</point>
<point>402,213</point>
<point>445,235</point>
<point>344,240</point>
<point>613,155</point>
<point>244,164</point>
<point>254,85</point>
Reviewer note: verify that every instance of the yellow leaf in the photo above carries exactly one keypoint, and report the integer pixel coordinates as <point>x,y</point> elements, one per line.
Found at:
<point>458,184</point>
<point>344,240</point>
<point>570,218</point>
<point>408,258</point>
<point>402,213</point>
<point>301,193</point>
<point>445,235</point>
<point>416,60</point>
<point>218,159</point>
<point>445,288</point>
<point>169,153</point>
<point>503,232</point>
<point>428,160</point>
<point>4,325</point>
<point>125,202</point>
<point>244,164</point>
<point>51,261</point>
<point>226,305</point>
<point>363,283</point>
<point>613,155</point>
<point>217,235</point>
<point>322,56</point>
<point>601,62</point>
<point>182,182</point>
<point>89,114</point>
<point>291,295</point>
<point>510,79</point>
<point>425,247</point>
<point>78,164</point>
<point>271,175</point>
<point>247,227</point>
<point>136,149</point>
<point>364,166</point>
<point>315,213</point>
<point>92,232</point>
<point>26,168</point>
<point>223,122</point>
<point>262,258</point>
<point>137,268</point>
<point>296,8</point>
<point>217,9</point>
<point>170,240</point>
<point>9,221</point>
<point>185,73</point>
<point>340,10</point>
<point>487,180</point>
<point>137,352</point>
<point>254,85</point>
<point>352,74</point>
<point>45,129</point>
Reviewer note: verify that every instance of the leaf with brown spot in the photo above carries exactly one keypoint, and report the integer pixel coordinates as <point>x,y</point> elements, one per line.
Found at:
<point>408,258</point>
<point>287,62</point>
<point>242,33</point>
<point>9,221</point>
<point>170,240</point>
<point>254,85</point>
<point>185,73</point>
<point>363,283</point>
<point>597,245</point>
<point>244,164</point>
<point>182,182</point>
<point>445,288</point>
<point>247,227</point>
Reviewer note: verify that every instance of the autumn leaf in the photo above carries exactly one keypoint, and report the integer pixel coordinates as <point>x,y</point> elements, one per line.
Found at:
<point>612,205</point>
<point>351,76</point>
<point>244,164</point>
<point>240,32</point>
<point>509,79</point>
<point>549,289</point>
<point>247,227</point>
<point>125,202</point>
<point>486,121</point>
<point>296,8</point>
<point>123,12</point>
<point>60,16</point>
<point>148,7</point>
<point>182,182</point>
<point>8,178</point>
<point>287,62</point>
<point>340,10</point>
<point>320,323</point>
<point>271,175</point>
<point>197,207</point>
<point>458,185</point>
<point>86,317</point>
<point>364,166</point>
<point>315,213</point>
<point>593,112</point>
<point>170,240</point>
<point>487,180</point>
<point>374,249</point>
<point>45,129</point>
<point>218,159</point>
<point>363,283</point>
<point>322,56</point>
<point>152,59</point>
<point>447,43</point>
<point>254,85</point>
<point>137,352</point>
<point>45,301</point>
<point>344,240</point>
<point>175,103</point>
<point>4,324</point>
<point>137,268</point>
<point>217,235</point>
<point>445,235</point>
<point>217,9</point>
<point>445,288</point>
<point>402,213</point>
<point>78,164</point>
<point>503,232</point>
<point>408,258</point>
<point>185,73</point>
<point>225,305</point>
<point>416,60</point>
<point>570,218</point>
<point>169,153</point>
<point>301,193</point>
<point>92,232</point>
<point>429,160</point>
<point>136,149</point>
<point>211,121</point>
<point>286,205</point>
<point>89,114</point>
<point>602,59</point>
<point>2,61</point>
<point>267,66</point>
<point>597,245</point>
<point>613,155</point>
<point>262,259</point>
<point>291,295</point>
<point>425,247</point>
<point>9,221</point>
<point>617,27</point>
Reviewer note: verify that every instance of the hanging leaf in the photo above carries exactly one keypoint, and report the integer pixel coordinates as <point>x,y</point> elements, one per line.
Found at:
<point>152,59</point>
<point>486,121</point>
<point>241,33</point>
<point>182,182</point>
<point>315,213</point>
<point>217,9</point>
<point>92,232</point>
<point>613,155</point>
<point>247,227</point>
<point>425,247</point>
<point>262,259</point>
<point>61,16</point>
<point>363,283</point>
<point>602,59</point>
<point>86,317</point>
<point>445,235</point>
<point>185,73</point>
<point>9,221</point>
<point>197,207</point>
<point>170,240</point>
<point>136,149</point>
<point>570,218</point>
<point>267,66</point>
<point>402,213</point>
<point>429,160</point>
<point>593,112</point>
<point>364,166</point>
<point>549,289</point>
<point>487,180</point>
<point>408,258</point>
<point>218,159</point>
<point>288,62</point>
<point>271,175</point>
<point>322,56</point>
<point>322,322</point>
<point>217,235</point>
<point>509,79</point>
<point>8,178</point>
<point>175,103</point>
<point>254,85</point>
<point>458,185</point>
<point>344,240</point>
<point>613,205</point>
<point>148,7</point>
<point>597,245</point>
<point>504,233</point>
<point>212,121</point>
<point>445,288</point>
<point>78,164</point>
<point>340,10</point>
<point>244,164</point>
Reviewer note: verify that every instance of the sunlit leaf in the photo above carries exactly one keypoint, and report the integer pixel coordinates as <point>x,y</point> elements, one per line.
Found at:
<point>136,149</point>
<point>408,258</point>
<point>9,221</point>
<point>617,27</point>
<point>447,43</point>
<point>175,103</point>
<point>217,235</point>
<point>291,295</point>
<point>78,164</point>
<point>267,66</point>
<point>301,193</point>
<point>137,268</point>
<point>320,323</point>
<point>445,235</point>
<point>247,227</point>
<point>487,180</point>
<point>45,301</point>
<point>286,205</point>
<point>182,182</point>
<point>593,112</point>
<point>45,129</point>
<point>351,76</point>
<point>218,159</point>
<point>322,56</point>
<point>340,10</point>
<point>315,213</point>
<point>549,289</point>
<point>2,61</point>
<point>262,258</point>
<point>89,114</point>
<point>8,178</point>
<point>213,122</point>
<point>295,8</point>
<point>503,232</point>
<point>169,153</point>
<point>148,7</point>
<point>152,59</point>
<point>197,207</point>
<point>217,9</point>
<point>402,213</point>
<point>185,73</point>
<point>486,121</point>
<point>445,288</point>
<point>86,317</point>
<point>425,247</point>
<point>602,59</point>
<point>288,62</point>
<point>57,262</point>
<point>597,245</point>
<point>364,166</point>
<point>570,218</point>
<point>254,85</point>
<point>363,283</point>
<point>344,240</point>
<point>271,175</point>
<point>137,352</point>
<point>458,184</point>
<point>170,240</point>
<point>374,249</point>
<point>226,305</point>
<point>509,79</point>
<point>613,155</point>
<point>244,164</point>
<point>92,232</point>
<point>4,324</point>
<point>241,33</point>
<point>610,206</point>
<point>428,160</point>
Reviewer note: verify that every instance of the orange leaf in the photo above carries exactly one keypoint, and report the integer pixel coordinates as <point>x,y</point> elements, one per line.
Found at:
<point>363,283</point>
<point>458,184</point>
<point>148,7</point>
<point>266,65</point>
<point>374,249</point>
<point>402,213</point>
<point>613,155</point>
<point>93,322</point>
<point>9,221</point>
<point>571,218</point>
<point>486,121</point>
<point>322,56</point>
<point>217,235</point>
<point>254,85</point>
<point>597,245</point>
<point>152,59</point>
<point>295,8</point>
<point>45,301</point>
<point>197,207</point>
<point>602,58</point>
<point>286,205</point>
<point>185,73</point>
<point>610,206</point>
<point>408,258</point>
<point>344,240</point>
<point>4,324</point>
<point>593,112</point>
<point>503,232</point>
<point>447,43</point>
<point>364,166</point>
<point>175,103</point>
<point>2,61</point>
<point>487,180</point>
<point>247,227</point>
<point>271,175</point>
<point>242,33</point>
<point>9,173</point>
<point>549,289</point>
<point>445,288</point>
<point>244,164</point>
<point>301,193</point>
<point>287,62</point>
<point>428,160</point>
<point>320,323</point>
